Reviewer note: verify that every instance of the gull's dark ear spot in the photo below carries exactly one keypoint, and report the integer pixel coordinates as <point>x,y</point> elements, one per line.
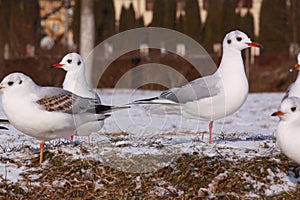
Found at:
<point>10,83</point>
<point>20,82</point>
<point>228,41</point>
<point>79,62</point>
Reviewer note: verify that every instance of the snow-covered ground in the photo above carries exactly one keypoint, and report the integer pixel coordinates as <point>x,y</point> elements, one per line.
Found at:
<point>133,133</point>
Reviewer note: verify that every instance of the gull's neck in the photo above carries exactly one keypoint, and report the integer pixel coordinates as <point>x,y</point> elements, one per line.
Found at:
<point>232,74</point>
<point>75,81</point>
<point>298,78</point>
<point>233,80</point>
<point>231,62</point>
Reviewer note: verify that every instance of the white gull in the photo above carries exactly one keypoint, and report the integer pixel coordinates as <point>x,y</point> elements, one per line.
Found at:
<point>215,96</point>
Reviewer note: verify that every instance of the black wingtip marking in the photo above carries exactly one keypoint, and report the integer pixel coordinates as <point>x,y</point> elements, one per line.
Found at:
<point>3,128</point>
<point>5,121</point>
<point>102,109</point>
<point>145,100</point>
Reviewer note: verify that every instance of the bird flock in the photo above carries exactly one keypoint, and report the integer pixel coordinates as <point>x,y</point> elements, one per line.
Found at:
<point>48,113</point>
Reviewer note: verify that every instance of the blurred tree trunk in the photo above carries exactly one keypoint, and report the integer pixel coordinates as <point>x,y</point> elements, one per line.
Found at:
<point>296,22</point>
<point>294,27</point>
<point>247,25</point>
<point>123,19</point>
<point>230,19</point>
<point>140,22</point>
<point>192,20</point>
<point>127,19</point>
<point>213,24</point>
<point>4,26</point>
<point>76,23</point>
<point>131,17</point>
<point>273,26</point>
<point>158,13</point>
<point>170,14</point>
<point>104,12</point>
<point>20,27</point>
<point>87,34</point>
<point>294,15</point>
<point>164,14</point>
<point>180,23</point>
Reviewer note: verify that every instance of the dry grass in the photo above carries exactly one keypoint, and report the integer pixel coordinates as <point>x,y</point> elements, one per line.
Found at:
<point>189,177</point>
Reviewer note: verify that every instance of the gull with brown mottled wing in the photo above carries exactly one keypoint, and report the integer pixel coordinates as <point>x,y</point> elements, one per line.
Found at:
<point>76,83</point>
<point>47,112</point>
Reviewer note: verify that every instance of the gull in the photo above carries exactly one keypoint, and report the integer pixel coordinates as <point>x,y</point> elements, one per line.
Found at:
<point>215,96</point>
<point>76,83</point>
<point>294,88</point>
<point>287,133</point>
<point>46,113</point>
<point>75,80</point>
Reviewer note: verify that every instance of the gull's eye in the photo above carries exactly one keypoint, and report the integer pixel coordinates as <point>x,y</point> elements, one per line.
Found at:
<point>293,109</point>
<point>79,62</point>
<point>10,83</point>
<point>239,39</point>
<point>69,61</point>
<point>228,41</point>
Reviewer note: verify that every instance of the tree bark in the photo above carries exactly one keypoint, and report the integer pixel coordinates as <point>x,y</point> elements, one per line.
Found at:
<point>87,34</point>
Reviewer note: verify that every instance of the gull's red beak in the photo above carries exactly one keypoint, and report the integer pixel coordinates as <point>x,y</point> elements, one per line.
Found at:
<point>57,65</point>
<point>1,87</point>
<point>297,66</point>
<point>278,113</point>
<point>254,44</point>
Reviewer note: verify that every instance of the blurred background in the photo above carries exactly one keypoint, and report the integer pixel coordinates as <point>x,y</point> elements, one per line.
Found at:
<point>34,34</point>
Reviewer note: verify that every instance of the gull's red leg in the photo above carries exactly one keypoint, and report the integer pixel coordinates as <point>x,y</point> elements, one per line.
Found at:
<point>42,144</point>
<point>210,126</point>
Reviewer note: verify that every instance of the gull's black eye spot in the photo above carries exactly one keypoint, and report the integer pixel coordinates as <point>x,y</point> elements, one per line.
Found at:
<point>293,109</point>
<point>79,62</point>
<point>10,83</point>
<point>20,82</point>
<point>69,61</point>
<point>228,41</point>
<point>239,39</point>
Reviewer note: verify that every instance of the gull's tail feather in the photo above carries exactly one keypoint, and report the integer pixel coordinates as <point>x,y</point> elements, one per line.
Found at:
<point>103,117</point>
<point>102,109</point>
<point>154,100</point>
<point>146,101</point>
<point>158,105</point>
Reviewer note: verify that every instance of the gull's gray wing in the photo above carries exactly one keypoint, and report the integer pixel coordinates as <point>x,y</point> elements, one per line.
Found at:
<point>59,100</point>
<point>97,97</point>
<point>197,89</point>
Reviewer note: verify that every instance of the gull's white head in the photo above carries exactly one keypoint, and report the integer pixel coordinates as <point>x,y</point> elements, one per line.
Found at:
<point>289,109</point>
<point>237,40</point>
<point>16,81</point>
<point>70,62</point>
